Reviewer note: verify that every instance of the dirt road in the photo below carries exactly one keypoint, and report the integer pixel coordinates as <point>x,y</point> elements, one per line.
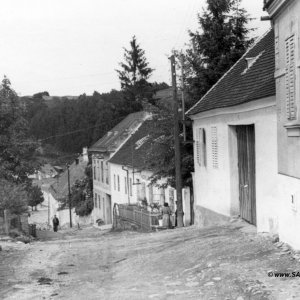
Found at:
<point>226,262</point>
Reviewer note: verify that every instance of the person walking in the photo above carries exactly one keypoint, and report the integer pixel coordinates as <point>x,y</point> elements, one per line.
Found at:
<point>55,222</point>
<point>166,212</point>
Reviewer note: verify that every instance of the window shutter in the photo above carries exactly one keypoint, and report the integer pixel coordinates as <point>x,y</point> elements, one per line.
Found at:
<point>290,78</point>
<point>214,147</point>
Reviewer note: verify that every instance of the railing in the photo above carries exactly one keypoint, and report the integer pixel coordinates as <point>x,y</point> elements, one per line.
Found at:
<point>144,219</point>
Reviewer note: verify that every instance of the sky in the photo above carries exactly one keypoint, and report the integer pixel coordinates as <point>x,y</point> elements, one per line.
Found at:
<point>71,47</point>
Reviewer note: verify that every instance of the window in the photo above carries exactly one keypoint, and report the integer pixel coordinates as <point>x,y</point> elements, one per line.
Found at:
<point>102,171</point>
<point>290,72</point>
<point>98,171</point>
<point>125,184</point>
<point>130,186</point>
<point>99,201</point>
<point>94,172</point>
<point>106,173</point>
<point>201,147</point>
<point>118,183</point>
<point>95,200</point>
<point>114,181</point>
<point>214,147</point>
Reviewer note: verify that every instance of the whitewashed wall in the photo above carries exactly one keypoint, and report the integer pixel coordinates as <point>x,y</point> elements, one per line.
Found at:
<point>217,188</point>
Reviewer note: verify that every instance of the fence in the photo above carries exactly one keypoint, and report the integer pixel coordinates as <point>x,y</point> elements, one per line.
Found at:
<point>143,218</point>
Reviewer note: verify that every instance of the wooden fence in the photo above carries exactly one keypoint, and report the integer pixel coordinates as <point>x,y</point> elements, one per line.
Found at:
<point>141,217</point>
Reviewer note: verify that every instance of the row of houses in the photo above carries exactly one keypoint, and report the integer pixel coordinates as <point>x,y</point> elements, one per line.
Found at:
<point>120,174</point>
<point>247,134</point>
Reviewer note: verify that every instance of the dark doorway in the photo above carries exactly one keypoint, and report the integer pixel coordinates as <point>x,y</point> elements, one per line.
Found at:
<point>246,167</point>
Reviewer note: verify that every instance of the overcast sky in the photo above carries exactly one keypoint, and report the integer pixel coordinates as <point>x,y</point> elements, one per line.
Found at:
<point>70,47</point>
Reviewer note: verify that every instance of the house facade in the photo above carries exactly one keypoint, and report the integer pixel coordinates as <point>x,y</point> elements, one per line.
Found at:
<point>131,179</point>
<point>284,15</point>
<point>101,152</point>
<point>235,152</point>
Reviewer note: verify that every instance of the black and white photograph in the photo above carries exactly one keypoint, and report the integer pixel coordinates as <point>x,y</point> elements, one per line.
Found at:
<point>150,149</point>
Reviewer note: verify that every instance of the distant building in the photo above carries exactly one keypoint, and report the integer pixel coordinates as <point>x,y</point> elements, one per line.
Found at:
<point>59,190</point>
<point>101,152</point>
<point>131,178</point>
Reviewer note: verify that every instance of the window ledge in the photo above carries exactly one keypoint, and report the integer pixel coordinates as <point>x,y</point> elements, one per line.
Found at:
<point>293,130</point>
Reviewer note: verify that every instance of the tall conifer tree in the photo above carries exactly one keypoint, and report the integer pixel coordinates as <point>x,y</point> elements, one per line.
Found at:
<point>134,73</point>
<point>221,40</point>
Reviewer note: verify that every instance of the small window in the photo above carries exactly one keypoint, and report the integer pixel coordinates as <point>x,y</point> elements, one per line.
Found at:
<point>107,173</point>
<point>130,186</point>
<point>94,172</point>
<point>201,147</point>
<point>99,201</point>
<point>98,171</point>
<point>114,181</point>
<point>95,200</point>
<point>102,171</point>
<point>118,183</point>
<point>125,184</point>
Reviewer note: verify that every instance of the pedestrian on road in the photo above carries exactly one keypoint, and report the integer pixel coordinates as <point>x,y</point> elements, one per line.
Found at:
<point>55,222</point>
<point>166,212</point>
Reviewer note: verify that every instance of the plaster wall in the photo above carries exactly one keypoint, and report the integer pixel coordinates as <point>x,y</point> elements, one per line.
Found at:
<point>217,189</point>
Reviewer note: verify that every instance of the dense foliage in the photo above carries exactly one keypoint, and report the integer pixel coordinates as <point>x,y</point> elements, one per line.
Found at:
<point>221,40</point>
<point>72,124</point>
<point>16,151</point>
<point>35,196</point>
<point>81,195</point>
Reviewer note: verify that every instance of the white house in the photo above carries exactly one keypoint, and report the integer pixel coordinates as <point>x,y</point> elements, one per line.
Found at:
<point>130,177</point>
<point>285,17</point>
<point>101,152</point>
<point>235,149</point>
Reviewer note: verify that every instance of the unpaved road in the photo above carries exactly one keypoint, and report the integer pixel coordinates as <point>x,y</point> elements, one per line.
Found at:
<point>226,262</point>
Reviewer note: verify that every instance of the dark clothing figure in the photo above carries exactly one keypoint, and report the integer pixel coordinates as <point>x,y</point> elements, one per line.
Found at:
<point>166,212</point>
<point>55,222</point>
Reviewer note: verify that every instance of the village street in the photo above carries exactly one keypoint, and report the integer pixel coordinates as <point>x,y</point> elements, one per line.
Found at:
<point>228,262</point>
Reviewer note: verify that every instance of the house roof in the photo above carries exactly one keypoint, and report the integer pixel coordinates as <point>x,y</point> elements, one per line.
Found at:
<point>241,84</point>
<point>59,189</point>
<point>133,152</point>
<point>111,140</point>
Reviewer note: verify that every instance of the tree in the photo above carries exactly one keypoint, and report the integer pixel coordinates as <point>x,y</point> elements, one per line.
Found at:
<point>134,74</point>
<point>221,41</point>
<point>35,196</point>
<point>81,195</point>
<point>13,197</point>
<point>16,147</point>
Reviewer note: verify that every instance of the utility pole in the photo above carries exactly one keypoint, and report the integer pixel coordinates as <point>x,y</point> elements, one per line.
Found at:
<point>69,195</point>
<point>177,147</point>
<point>182,97</point>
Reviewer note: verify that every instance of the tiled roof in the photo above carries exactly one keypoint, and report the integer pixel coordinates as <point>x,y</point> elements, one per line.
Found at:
<point>109,142</point>
<point>133,152</point>
<point>240,85</point>
<point>59,189</point>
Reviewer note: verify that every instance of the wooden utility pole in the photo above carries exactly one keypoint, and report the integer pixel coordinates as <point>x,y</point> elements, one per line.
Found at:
<point>177,146</point>
<point>69,195</point>
<point>182,97</point>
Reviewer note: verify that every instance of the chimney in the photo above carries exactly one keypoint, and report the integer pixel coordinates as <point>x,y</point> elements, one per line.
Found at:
<point>85,154</point>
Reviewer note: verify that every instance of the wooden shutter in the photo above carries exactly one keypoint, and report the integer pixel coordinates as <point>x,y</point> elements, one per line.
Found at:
<point>214,147</point>
<point>290,78</point>
<point>201,147</point>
